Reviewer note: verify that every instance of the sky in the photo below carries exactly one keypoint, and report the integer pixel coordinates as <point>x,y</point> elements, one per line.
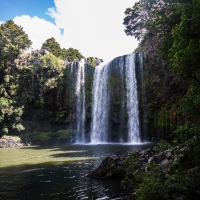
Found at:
<point>94,27</point>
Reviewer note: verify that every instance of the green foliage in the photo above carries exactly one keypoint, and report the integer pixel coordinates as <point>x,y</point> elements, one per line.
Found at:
<point>169,35</point>
<point>158,184</point>
<point>36,137</point>
<point>48,137</point>
<point>185,132</point>
<point>64,135</point>
<point>12,41</point>
<point>161,146</point>
<point>54,47</point>
<point>71,54</point>
<point>91,61</point>
<point>189,104</point>
<point>184,52</point>
<point>135,19</point>
<point>132,166</point>
<point>44,71</point>
<point>152,182</point>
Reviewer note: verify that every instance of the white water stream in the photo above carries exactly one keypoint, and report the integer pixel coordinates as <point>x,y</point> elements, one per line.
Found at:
<point>80,102</point>
<point>101,101</point>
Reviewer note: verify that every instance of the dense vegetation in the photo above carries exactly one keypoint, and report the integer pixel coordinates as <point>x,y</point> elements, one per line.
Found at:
<point>64,54</point>
<point>12,41</point>
<point>35,88</point>
<point>169,35</point>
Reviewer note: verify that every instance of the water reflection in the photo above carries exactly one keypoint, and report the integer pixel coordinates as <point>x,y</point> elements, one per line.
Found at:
<point>57,172</point>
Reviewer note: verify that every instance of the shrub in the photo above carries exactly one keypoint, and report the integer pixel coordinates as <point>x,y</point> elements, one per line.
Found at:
<point>161,146</point>
<point>64,135</point>
<point>185,132</point>
<point>177,185</point>
<point>36,137</point>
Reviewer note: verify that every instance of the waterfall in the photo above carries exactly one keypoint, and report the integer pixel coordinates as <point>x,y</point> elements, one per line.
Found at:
<point>121,71</point>
<point>100,108</point>
<point>80,102</point>
<point>123,98</point>
<point>132,100</point>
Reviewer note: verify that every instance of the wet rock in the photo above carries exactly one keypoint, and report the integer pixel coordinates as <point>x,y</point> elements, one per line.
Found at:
<point>113,167</point>
<point>165,164</point>
<point>109,168</point>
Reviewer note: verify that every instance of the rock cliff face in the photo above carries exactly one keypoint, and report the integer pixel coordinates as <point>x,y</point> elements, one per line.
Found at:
<point>60,97</point>
<point>10,142</point>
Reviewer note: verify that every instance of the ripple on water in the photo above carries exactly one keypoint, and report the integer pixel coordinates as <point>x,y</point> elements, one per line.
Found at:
<point>56,172</point>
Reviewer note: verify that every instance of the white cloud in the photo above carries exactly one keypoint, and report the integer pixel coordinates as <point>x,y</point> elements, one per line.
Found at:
<point>94,27</point>
<point>38,30</point>
<point>1,22</point>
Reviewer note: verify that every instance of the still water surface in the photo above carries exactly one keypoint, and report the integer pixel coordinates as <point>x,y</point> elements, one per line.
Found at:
<point>58,172</point>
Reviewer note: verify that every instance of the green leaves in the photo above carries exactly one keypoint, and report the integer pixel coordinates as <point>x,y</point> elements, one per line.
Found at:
<point>12,40</point>
<point>54,47</point>
<point>9,116</point>
<point>71,54</point>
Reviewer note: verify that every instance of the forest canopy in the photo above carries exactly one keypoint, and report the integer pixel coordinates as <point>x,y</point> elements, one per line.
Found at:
<point>65,54</point>
<point>26,79</point>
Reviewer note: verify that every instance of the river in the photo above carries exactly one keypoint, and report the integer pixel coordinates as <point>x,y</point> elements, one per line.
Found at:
<point>58,172</point>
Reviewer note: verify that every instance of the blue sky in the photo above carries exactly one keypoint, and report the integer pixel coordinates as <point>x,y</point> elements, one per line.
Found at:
<point>94,27</point>
<point>9,9</point>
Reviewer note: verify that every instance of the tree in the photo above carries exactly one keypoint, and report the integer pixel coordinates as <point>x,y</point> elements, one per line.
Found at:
<point>52,46</point>
<point>71,54</point>
<point>184,53</point>
<point>12,41</point>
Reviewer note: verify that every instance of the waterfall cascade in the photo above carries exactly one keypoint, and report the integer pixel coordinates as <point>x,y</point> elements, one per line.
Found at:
<point>80,102</point>
<point>105,100</point>
<point>132,100</point>
<point>77,71</point>
<point>101,102</point>
<point>101,99</point>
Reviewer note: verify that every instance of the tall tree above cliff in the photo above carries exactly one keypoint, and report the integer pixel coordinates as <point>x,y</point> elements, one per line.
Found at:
<point>149,17</point>
<point>53,46</point>
<point>71,54</point>
<point>184,54</point>
<point>12,41</point>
